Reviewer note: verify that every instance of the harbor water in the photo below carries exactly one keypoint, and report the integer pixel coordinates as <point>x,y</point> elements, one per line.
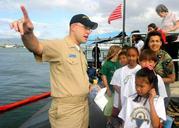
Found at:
<point>21,77</point>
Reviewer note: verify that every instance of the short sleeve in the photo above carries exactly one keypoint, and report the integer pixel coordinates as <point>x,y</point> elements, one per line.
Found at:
<point>160,107</point>
<point>139,45</point>
<point>104,68</point>
<point>165,64</point>
<point>161,87</point>
<point>51,51</point>
<point>116,78</point>
<point>168,65</point>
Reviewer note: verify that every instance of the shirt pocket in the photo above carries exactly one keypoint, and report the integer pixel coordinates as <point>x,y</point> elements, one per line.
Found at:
<point>72,61</point>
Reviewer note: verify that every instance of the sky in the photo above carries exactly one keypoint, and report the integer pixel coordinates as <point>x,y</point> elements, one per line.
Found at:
<point>51,17</point>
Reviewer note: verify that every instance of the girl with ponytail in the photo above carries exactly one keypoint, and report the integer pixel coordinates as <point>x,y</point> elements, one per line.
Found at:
<point>146,108</point>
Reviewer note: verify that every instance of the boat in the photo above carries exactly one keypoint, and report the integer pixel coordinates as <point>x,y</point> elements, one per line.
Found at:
<point>9,46</point>
<point>104,44</point>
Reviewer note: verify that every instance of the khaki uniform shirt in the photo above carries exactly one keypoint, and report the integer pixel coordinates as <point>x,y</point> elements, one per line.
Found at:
<point>68,68</point>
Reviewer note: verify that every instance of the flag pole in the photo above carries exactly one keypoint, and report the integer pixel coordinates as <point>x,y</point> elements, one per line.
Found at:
<point>124,17</point>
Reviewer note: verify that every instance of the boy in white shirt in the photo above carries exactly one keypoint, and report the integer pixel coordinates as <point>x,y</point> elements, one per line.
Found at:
<point>148,59</point>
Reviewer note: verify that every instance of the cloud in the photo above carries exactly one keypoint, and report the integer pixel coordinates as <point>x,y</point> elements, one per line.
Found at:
<point>8,34</point>
<point>51,18</point>
<point>5,21</point>
<point>41,29</point>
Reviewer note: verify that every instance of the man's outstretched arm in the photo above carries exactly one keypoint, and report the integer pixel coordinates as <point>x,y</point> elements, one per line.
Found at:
<point>25,27</point>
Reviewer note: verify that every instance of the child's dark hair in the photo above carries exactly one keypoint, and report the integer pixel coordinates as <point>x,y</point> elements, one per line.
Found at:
<point>153,25</point>
<point>152,77</point>
<point>147,54</point>
<point>133,48</point>
<point>122,53</point>
<point>149,35</point>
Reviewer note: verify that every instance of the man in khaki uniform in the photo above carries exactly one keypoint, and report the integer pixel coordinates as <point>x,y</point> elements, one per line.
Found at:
<point>68,66</point>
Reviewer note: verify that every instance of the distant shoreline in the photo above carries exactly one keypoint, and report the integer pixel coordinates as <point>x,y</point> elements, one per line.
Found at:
<point>12,46</point>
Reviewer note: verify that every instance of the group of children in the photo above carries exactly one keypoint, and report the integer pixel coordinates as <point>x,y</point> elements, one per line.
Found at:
<point>135,92</point>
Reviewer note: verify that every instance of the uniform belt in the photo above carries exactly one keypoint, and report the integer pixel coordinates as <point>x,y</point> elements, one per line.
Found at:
<point>74,99</point>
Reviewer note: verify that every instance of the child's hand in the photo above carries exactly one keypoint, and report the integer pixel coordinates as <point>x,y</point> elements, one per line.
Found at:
<point>91,88</point>
<point>109,92</point>
<point>152,94</point>
<point>150,67</point>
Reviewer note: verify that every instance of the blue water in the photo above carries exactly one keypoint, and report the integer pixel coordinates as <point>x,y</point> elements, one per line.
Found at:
<point>20,77</point>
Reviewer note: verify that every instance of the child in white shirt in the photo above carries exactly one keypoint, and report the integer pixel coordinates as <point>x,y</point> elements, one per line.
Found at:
<point>123,61</point>
<point>148,59</point>
<point>145,109</point>
<point>123,77</point>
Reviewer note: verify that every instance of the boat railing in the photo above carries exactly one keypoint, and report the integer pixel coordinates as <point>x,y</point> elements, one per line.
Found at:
<point>25,101</point>
<point>143,35</point>
<point>104,46</point>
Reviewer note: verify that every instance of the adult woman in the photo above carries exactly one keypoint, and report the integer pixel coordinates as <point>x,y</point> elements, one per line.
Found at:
<point>170,24</point>
<point>165,66</point>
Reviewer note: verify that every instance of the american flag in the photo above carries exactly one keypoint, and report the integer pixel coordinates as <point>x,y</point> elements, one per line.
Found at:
<point>116,14</point>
